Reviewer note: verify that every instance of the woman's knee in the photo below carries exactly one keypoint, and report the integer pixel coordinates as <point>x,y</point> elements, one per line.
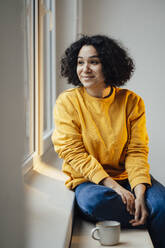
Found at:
<point>155,198</point>
<point>96,200</point>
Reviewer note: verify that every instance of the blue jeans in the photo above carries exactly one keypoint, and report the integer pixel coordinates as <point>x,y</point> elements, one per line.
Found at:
<point>97,203</point>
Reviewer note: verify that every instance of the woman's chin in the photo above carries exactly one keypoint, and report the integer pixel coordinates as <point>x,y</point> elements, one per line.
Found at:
<point>88,84</point>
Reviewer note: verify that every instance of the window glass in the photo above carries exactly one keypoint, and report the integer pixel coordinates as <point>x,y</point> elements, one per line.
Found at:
<point>48,64</point>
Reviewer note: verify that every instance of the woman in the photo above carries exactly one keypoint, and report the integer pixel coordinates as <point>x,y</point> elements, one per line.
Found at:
<point>101,135</point>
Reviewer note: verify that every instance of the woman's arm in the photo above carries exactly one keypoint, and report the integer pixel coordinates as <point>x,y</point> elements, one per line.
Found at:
<point>136,160</point>
<point>68,141</point>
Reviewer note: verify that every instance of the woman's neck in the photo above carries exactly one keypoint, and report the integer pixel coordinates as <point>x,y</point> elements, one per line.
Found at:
<point>101,93</point>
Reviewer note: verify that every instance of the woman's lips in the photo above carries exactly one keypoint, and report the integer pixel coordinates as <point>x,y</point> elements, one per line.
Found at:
<point>88,77</point>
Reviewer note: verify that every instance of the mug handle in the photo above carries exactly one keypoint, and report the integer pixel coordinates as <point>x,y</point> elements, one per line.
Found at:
<point>93,233</point>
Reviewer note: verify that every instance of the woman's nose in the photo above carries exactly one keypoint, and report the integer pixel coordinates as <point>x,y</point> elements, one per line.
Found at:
<point>87,67</point>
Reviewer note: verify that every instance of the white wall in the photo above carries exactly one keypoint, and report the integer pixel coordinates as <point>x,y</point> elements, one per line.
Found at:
<point>139,25</point>
<point>11,125</point>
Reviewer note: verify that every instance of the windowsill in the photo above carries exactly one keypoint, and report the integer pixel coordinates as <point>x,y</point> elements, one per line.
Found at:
<point>128,238</point>
<point>49,204</point>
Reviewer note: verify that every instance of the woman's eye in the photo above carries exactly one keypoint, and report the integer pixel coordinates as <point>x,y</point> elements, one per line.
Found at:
<point>80,62</point>
<point>95,62</point>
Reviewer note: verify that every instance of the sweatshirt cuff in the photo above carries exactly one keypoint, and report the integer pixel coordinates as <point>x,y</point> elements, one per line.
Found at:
<point>140,180</point>
<point>99,176</point>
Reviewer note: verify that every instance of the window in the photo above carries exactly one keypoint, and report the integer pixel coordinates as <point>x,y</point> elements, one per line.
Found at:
<point>39,79</point>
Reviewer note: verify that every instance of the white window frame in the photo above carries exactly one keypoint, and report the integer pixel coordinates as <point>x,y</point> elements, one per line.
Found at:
<point>44,140</point>
<point>41,143</point>
<point>28,162</point>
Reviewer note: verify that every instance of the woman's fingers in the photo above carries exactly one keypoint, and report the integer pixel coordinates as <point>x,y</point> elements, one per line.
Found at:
<point>130,203</point>
<point>137,213</point>
<point>140,213</point>
<point>124,200</point>
<point>128,199</point>
<point>140,221</point>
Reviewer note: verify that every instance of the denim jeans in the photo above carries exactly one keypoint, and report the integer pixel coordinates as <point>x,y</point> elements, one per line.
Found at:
<point>97,203</point>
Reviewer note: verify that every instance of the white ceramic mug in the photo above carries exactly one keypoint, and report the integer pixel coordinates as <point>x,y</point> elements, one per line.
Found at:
<point>108,232</point>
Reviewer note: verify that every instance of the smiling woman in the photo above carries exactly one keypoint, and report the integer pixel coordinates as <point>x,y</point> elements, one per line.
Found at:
<point>117,66</point>
<point>100,133</point>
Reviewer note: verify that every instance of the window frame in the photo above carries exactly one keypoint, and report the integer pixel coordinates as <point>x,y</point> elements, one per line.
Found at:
<point>41,142</point>
<point>44,139</point>
<point>47,143</point>
<point>32,9</point>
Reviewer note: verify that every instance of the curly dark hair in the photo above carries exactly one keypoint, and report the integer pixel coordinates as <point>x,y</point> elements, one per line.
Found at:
<point>117,66</point>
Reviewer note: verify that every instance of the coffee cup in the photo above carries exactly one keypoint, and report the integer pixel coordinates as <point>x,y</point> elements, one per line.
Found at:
<point>108,232</point>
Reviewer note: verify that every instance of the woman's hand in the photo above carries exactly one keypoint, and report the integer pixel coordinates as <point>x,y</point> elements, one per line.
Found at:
<point>126,196</point>
<point>140,207</point>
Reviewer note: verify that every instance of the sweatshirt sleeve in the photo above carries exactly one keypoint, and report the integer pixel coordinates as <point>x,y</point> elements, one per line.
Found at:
<point>136,161</point>
<point>68,142</point>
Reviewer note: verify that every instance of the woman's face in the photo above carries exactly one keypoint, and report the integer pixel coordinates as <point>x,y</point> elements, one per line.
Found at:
<point>89,69</point>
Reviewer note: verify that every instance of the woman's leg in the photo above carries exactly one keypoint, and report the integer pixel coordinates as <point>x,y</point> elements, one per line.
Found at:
<point>155,200</point>
<point>97,203</point>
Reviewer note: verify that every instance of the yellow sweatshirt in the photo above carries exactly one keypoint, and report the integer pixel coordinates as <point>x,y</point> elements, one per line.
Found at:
<point>101,137</point>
